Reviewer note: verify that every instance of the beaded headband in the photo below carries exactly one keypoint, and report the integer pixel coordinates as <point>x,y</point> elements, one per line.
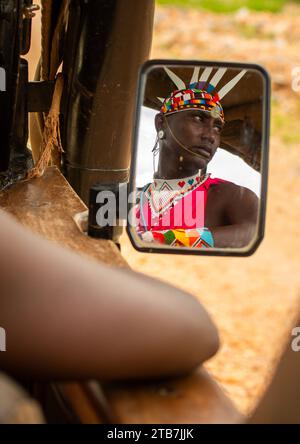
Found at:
<point>191,98</point>
<point>198,93</point>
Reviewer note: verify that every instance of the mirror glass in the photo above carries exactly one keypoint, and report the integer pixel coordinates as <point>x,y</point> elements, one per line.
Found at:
<point>198,171</point>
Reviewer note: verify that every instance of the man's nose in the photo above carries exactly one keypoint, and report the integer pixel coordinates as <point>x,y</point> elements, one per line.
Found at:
<point>208,133</point>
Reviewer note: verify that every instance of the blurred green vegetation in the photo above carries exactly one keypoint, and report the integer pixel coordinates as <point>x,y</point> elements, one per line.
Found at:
<point>286,125</point>
<point>229,5</point>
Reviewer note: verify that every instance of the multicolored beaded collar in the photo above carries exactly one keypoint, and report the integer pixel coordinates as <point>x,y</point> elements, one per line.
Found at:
<point>163,194</point>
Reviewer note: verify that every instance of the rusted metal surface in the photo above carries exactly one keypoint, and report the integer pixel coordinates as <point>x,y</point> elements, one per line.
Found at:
<point>47,206</point>
<point>194,399</point>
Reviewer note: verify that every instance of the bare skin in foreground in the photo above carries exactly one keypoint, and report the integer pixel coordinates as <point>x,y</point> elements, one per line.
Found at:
<point>69,318</point>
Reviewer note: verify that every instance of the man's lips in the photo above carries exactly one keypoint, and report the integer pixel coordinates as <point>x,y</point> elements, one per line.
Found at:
<point>204,151</point>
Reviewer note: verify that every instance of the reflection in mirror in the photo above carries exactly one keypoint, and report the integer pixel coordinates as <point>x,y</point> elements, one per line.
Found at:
<point>199,154</point>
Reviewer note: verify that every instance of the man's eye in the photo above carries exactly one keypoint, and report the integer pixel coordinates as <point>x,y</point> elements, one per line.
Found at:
<point>218,128</point>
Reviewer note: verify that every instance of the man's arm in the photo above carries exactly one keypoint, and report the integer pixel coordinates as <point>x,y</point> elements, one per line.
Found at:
<point>69,318</point>
<point>241,214</point>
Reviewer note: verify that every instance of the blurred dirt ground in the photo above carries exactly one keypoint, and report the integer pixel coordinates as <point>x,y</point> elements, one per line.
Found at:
<point>254,301</point>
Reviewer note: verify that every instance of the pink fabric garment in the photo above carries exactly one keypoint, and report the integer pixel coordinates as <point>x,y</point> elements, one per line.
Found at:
<point>188,213</point>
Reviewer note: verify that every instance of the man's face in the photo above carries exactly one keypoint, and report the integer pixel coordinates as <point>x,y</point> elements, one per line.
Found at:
<point>198,131</point>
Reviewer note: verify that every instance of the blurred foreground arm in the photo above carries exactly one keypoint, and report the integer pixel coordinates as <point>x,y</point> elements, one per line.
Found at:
<point>69,318</point>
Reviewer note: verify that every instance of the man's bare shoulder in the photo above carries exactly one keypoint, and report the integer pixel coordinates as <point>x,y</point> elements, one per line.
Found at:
<point>237,202</point>
<point>232,189</point>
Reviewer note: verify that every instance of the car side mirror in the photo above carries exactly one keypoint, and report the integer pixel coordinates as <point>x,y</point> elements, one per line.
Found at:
<point>199,167</point>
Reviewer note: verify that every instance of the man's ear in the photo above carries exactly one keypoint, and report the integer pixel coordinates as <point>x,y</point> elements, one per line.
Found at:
<point>159,122</point>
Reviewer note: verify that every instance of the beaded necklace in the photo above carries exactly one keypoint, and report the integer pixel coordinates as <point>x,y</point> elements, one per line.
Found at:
<point>164,194</point>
